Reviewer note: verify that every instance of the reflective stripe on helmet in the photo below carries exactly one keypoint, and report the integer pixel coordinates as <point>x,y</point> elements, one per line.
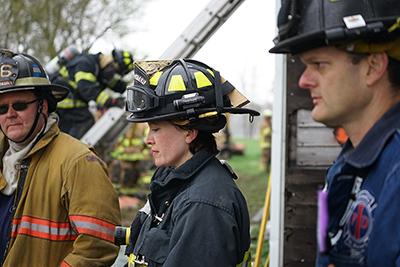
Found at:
<point>31,81</point>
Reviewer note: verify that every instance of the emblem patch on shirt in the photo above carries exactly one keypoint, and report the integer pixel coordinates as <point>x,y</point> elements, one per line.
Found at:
<point>359,225</point>
<point>94,158</point>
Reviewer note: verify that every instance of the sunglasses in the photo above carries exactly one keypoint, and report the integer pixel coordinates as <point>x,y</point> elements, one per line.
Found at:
<point>17,106</point>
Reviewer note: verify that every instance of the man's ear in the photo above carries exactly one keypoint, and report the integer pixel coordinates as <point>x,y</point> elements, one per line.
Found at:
<point>378,64</point>
<point>45,106</point>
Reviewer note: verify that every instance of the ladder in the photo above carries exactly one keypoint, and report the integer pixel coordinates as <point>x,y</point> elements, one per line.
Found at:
<point>105,132</point>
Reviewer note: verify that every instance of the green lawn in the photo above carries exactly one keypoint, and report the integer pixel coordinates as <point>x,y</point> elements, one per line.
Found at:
<point>253,185</point>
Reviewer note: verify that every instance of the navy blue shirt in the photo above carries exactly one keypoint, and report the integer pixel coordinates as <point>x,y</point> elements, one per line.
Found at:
<point>5,217</point>
<point>365,229</point>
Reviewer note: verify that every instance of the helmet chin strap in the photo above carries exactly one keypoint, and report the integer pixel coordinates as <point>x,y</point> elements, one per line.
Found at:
<point>39,111</point>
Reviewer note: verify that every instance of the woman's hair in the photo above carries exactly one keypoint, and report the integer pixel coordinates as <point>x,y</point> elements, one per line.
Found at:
<point>204,140</point>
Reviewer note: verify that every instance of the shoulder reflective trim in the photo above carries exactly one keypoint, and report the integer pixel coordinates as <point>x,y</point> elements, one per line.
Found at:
<point>80,75</point>
<point>202,80</point>
<point>45,229</point>
<point>69,103</point>
<point>65,264</point>
<point>176,84</point>
<point>93,226</point>
<point>31,81</point>
<point>246,260</point>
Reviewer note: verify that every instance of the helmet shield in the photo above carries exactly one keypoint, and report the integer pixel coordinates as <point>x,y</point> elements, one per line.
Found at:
<point>308,24</point>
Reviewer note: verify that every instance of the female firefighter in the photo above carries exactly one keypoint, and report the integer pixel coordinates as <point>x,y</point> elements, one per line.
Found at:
<point>195,214</point>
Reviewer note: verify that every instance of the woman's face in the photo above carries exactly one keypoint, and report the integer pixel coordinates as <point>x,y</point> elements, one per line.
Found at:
<point>169,143</point>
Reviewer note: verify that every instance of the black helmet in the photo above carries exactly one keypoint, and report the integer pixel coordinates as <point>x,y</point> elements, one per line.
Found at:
<point>124,60</point>
<point>188,92</point>
<point>308,24</point>
<point>24,72</point>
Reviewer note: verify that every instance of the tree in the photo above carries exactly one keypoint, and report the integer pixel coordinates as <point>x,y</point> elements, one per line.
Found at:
<point>44,27</point>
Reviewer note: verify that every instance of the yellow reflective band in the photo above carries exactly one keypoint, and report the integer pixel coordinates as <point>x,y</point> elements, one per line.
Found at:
<point>131,262</point>
<point>73,84</point>
<point>201,116</point>
<point>69,103</point>
<point>80,75</point>
<point>201,80</point>
<point>208,114</point>
<point>176,84</point>
<point>127,235</point>
<point>246,260</point>
<point>64,72</point>
<point>31,81</point>
<point>102,98</point>
<point>394,26</point>
<point>392,49</point>
<point>212,73</point>
<point>154,79</point>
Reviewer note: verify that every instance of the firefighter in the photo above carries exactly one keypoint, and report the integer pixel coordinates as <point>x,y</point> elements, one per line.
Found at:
<point>57,205</point>
<point>351,53</point>
<point>87,76</point>
<point>265,141</point>
<point>131,156</point>
<point>195,214</point>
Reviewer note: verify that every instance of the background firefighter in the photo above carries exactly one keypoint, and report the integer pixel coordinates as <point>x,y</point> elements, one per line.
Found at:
<point>131,163</point>
<point>87,76</point>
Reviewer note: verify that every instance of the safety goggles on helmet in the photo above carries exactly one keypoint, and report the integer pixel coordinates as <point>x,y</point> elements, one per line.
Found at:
<point>17,106</point>
<point>141,99</point>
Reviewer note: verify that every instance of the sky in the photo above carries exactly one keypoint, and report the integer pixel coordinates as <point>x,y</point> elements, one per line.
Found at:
<point>238,50</point>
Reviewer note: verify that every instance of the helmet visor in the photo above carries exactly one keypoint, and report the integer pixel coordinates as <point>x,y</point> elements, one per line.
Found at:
<point>140,99</point>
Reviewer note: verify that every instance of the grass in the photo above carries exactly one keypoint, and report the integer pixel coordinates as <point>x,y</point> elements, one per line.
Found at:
<point>253,185</point>
<point>251,182</point>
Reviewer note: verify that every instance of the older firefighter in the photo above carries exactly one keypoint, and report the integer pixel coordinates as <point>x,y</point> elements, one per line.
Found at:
<point>196,215</point>
<point>351,53</point>
<point>265,141</point>
<point>58,207</point>
<point>87,76</point>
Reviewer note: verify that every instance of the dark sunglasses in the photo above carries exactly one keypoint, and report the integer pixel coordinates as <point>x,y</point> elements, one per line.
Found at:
<point>17,106</point>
